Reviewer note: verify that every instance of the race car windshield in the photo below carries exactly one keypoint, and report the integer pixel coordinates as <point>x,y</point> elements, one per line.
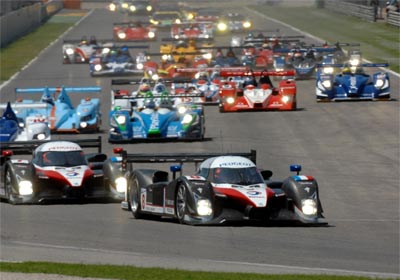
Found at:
<point>65,159</point>
<point>237,176</point>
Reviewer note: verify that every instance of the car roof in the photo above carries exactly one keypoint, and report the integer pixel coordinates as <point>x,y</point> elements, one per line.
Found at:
<point>227,162</point>
<point>58,146</point>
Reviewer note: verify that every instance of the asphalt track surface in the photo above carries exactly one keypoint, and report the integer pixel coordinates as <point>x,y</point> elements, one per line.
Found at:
<point>351,148</point>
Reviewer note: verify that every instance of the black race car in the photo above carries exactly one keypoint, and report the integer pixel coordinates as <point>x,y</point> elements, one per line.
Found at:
<point>226,187</point>
<point>58,170</point>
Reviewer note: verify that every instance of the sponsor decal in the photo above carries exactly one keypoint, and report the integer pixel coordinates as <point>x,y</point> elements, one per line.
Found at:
<point>71,174</point>
<point>254,193</point>
<point>235,163</point>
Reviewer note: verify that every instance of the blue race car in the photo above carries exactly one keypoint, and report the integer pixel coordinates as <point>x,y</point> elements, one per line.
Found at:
<point>115,61</point>
<point>34,127</point>
<point>353,83</point>
<point>62,114</point>
<point>155,115</point>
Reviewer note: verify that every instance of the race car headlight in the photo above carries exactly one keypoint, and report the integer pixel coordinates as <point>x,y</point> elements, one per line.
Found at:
<point>69,51</point>
<point>204,207</point>
<point>188,118</point>
<point>327,70</point>
<point>120,184</point>
<point>285,99</point>
<point>25,187</point>
<point>154,77</point>
<point>154,21</point>
<point>235,42</point>
<point>121,119</point>
<point>121,35</point>
<point>124,5</point>
<point>165,57</point>
<point>247,24</point>
<point>230,100</point>
<point>178,21</point>
<point>190,16</point>
<point>139,66</point>
<point>151,34</point>
<point>222,26</point>
<point>41,136</point>
<point>98,67</point>
<point>83,124</point>
<point>309,207</point>
<point>132,8</point>
<point>327,84</point>
<point>21,124</point>
<point>379,83</point>
<point>149,8</point>
<point>112,7</point>
<point>207,56</point>
<point>182,110</point>
<point>354,62</point>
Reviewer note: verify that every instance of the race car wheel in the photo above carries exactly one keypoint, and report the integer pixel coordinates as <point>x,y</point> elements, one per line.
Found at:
<point>134,200</point>
<point>180,203</point>
<point>8,186</point>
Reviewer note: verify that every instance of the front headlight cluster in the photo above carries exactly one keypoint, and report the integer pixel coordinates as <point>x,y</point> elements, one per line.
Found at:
<point>112,7</point>
<point>222,26</point>
<point>151,34</point>
<point>327,70</point>
<point>309,207</point>
<point>98,67</point>
<point>326,84</point>
<point>25,187</point>
<point>187,119</point>
<point>120,184</point>
<point>121,35</point>
<point>69,51</point>
<point>149,8</point>
<point>246,24</point>
<point>132,8</point>
<point>285,99</point>
<point>204,207</point>
<point>230,100</point>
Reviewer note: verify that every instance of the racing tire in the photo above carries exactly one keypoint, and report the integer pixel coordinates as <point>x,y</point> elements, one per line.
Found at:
<point>8,183</point>
<point>134,200</point>
<point>180,203</point>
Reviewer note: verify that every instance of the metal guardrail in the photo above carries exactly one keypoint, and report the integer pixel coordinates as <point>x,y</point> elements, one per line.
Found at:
<point>20,22</point>
<point>360,11</point>
<point>393,18</point>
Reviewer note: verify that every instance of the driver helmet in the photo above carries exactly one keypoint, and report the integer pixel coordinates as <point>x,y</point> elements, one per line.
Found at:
<point>150,104</point>
<point>144,87</point>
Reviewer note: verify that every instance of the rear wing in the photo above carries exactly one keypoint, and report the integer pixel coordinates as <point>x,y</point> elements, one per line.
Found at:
<point>360,65</point>
<point>257,73</point>
<point>134,23</point>
<point>59,90</point>
<point>77,41</point>
<point>176,157</point>
<point>140,81</point>
<point>27,147</point>
<point>210,69</point>
<point>19,106</point>
<point>116,47</point>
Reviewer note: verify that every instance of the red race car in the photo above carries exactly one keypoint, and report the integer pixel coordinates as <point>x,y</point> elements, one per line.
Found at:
<point>242,91</point>
<point>134,31</point>
<point>192,30</point>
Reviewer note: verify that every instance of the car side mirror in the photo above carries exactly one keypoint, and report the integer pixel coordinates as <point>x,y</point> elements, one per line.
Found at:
<point>266,174</point>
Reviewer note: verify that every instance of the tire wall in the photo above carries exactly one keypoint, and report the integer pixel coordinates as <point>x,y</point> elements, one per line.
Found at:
<point>18,23</point>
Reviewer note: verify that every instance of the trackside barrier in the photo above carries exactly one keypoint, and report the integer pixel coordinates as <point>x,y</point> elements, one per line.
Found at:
<point>360,11</point>
<point>18,23</point>
<point>393,18</point>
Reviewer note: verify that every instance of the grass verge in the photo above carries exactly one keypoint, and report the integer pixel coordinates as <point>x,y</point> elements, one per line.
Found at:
<point>133,273</point>
<point>380,42</point>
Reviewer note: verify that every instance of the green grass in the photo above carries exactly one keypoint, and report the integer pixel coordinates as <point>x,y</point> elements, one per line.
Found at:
<point>380,42</point>
<point>19,53</point>
<point>133,273</point>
